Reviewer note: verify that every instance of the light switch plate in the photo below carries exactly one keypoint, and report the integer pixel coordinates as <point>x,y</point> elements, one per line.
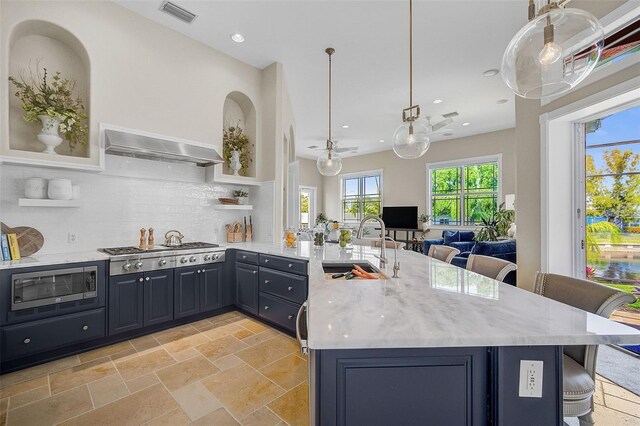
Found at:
<point>530,379</point>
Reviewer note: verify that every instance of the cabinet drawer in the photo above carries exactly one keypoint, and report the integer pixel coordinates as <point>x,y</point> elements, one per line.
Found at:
<point>288,286</point>
<point>284,264</point>
<point>247,257</point>
<point>40,336</point>
<point>278,311</point>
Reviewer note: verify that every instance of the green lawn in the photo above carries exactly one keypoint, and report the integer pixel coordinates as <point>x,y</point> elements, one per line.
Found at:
<point>623,239</point>
<point>627,288</point>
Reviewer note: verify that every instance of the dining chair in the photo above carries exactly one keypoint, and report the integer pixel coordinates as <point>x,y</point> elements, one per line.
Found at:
<point>491,267</point>
<point>443,253</point>
<point>579,362</point>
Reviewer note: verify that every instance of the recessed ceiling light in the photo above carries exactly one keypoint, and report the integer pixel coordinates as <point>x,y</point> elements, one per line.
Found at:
<point>345,126</point>
<point>381,141</point>
<point>502,101</point>
<point>490,73</point>
<point>447,134</point>
<point>237,37</point>
<point>465,124</point>
<point>437,101</point>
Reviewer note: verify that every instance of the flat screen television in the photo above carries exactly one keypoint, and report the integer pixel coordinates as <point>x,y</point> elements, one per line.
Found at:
<point>400,217</point>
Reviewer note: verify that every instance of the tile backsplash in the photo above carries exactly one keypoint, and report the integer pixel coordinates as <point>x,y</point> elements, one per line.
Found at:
<point>114,207</point>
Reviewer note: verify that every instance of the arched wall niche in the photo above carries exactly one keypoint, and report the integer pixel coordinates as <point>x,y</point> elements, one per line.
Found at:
<point>34,45</point>
<point>239,110</point>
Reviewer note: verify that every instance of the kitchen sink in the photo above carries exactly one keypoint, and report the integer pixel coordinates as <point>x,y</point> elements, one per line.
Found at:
<point>341,267</point>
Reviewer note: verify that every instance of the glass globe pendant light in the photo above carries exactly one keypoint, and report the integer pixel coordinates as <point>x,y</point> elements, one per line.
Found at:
<point>411,139</point>
<point>329,162</point>
<point>554,52</point>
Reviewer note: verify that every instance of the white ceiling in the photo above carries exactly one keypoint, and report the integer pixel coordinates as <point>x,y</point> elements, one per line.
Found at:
<point>454,42</point>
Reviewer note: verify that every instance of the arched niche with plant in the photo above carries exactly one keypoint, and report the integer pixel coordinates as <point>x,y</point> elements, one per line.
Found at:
<point>49,75</point>
<point>239,135</point>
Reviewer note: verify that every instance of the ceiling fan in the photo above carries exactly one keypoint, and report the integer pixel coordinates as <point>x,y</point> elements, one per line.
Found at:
<point>336,147</point>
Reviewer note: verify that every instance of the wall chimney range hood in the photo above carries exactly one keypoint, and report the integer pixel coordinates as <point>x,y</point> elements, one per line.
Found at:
<point>156,148</point>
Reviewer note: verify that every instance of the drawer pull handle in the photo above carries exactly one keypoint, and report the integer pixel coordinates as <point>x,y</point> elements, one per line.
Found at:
<point>290,288</point>
<point>266,261</point>
<point>140,280</point>
<point>26,341</point>
<point>244,257</point>
<point>266,307</point>
<point>291,265</point>
<point>266,281</point>
<point>85,327</point>
<point>255,272</point>
<point>147,279</point>
<point>290,317</point>
<point>199,271</point>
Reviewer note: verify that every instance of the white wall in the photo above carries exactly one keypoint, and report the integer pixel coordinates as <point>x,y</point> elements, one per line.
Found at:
<point>404,181</point>
<point>113,208</point>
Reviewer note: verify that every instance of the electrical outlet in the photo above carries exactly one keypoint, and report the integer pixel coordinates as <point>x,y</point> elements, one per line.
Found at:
<point>530,379</point>
<point>73,238</point>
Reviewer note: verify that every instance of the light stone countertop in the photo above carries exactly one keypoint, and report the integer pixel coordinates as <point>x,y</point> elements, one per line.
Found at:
<point>54,259</point>
<point>434,304</point>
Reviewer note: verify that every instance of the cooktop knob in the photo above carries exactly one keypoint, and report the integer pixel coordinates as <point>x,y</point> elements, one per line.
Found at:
<point>207,257</point>
<point>162,262</point>
<point>183,260</point>
<point>126,266</point>
<point>193,259</point>
<point>138,265</point>
<point>216,256</point>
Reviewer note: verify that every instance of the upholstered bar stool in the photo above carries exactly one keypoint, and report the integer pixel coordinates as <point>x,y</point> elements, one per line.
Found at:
<point>444,253</point>
<point>579,362</point>
<point>491,267</point>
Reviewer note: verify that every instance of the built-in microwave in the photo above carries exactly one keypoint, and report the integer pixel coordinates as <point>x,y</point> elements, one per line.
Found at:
<point>41,288</point>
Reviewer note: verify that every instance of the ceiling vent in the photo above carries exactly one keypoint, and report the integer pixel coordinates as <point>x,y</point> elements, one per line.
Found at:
<point>450,114</point>
<point>177,12</point>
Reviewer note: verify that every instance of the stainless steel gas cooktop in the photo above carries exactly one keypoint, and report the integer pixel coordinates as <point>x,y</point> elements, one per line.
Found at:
<point>127,260</point>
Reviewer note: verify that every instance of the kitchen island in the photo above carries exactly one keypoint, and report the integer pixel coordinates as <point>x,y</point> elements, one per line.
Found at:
<point>438,343</point>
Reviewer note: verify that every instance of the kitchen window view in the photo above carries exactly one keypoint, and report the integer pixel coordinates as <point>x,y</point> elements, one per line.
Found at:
<point>463,195</point>
<point>361,196</point>
<point>613,205</point>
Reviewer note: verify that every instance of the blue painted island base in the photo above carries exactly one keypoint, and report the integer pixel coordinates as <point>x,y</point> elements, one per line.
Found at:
<point>432,386</point>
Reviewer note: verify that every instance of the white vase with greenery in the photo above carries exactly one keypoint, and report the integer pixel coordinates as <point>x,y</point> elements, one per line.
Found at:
<point>51,100</point>
<point>49,134</point>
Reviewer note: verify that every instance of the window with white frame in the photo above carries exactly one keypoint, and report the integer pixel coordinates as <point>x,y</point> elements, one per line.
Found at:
<point>461,193</point>
<point>361,195</point>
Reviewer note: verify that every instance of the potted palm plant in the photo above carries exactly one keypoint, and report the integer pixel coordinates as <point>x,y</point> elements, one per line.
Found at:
<point>51,101</point>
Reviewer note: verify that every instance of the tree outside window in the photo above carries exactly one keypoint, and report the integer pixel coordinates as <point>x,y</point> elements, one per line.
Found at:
<point>462,195</point>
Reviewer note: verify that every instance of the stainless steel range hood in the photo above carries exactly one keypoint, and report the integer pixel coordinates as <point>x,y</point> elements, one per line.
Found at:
<point>155,148</point>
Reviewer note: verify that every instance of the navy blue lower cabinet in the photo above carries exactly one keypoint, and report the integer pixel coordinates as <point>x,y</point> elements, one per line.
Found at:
<point>187,291</point>
<point>211,286</point>
<point>247,287</point>
<point>126,303</point>
<point>158,297</point>
<point>432,386</point>
<point>400,386</point>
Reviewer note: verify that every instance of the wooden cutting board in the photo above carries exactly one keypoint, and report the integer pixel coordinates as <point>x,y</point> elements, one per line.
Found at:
<point>30,240</point>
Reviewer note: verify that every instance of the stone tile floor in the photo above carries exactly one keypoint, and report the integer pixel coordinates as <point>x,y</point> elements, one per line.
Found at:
<point>225,370</point>
<point>614,405</point>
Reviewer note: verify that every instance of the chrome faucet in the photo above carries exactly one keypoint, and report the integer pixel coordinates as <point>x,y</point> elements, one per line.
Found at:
<point>396,264</point>
<point>360,234</point>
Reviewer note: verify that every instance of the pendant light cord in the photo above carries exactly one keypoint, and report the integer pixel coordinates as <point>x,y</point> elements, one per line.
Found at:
<point>330,100</point>
<point>410,53</point>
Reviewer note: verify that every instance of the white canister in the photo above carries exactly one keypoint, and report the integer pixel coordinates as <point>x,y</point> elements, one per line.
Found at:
<point>35,188</point>
<point>60,189</point>
<point>75,190</point>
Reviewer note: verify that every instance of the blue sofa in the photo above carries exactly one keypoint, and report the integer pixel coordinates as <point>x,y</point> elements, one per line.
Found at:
<point>505,249</point>
<point>462,240</point>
